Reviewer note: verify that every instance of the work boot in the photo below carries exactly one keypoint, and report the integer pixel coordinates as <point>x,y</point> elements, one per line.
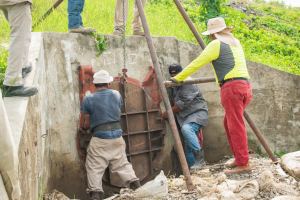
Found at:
<point>239,170</point>
<point>26,70</point>
<point>230,164</point>
<point>138,32</point>
<point>81,29</point>
<point>118,31</point>
<point>135,185</point>
<point>199,159</point>
<point>95,195</point>
<point>20,91</point>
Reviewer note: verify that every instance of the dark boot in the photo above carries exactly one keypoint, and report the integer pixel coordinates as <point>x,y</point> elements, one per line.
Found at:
<point>26,70</point>
<point>95,195</point>
<point>20,91</point>
<point>135,185</point>
<point>199,159</point>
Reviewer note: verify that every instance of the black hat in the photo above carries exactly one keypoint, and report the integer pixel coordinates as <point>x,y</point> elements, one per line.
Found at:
<point>175,68</point>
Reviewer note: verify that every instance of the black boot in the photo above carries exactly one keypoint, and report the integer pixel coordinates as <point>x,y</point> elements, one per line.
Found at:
<point>135,185</point>
<point>26,70</point>
<point>20,91</point>
<point>199,159</point>
<point>95,195</point>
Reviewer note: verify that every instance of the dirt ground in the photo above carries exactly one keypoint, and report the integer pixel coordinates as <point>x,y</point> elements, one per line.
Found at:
<point>267,181</point>
<point>210,180</point>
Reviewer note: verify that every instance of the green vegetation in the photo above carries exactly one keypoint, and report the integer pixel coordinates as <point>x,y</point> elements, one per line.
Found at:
<point>100,43</point>
<point>3,63</point>
<point>280,154</point>
<point>271,38</point>
<point>269,35</point>
<point>210,9</point>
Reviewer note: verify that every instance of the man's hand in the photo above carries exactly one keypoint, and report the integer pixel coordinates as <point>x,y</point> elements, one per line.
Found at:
<point>86,122</point>
<point>173,80</point>
<point>165,115</point>
<point>175,109</point>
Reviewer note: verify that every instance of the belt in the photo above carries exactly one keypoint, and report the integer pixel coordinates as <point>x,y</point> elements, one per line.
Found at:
<point>111,126</point>
<point>234,79</point>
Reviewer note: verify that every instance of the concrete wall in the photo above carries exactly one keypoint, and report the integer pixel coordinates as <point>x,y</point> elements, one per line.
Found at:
<point>45,125</point>
<point>28,120</point>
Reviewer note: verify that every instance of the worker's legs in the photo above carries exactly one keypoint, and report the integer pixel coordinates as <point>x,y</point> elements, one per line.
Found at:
<point>118,20</point>
<point>228,135</point>
<point>19,19</point>
<point>136,23</point>
<point>119,163</point>
<point>75,8</point>
<point>189,132</point>
<point>96,163</point>
<point>235,96</point>
<point>8,156</point>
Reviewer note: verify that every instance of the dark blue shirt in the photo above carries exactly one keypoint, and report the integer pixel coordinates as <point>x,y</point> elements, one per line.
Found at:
<point>103,106</point>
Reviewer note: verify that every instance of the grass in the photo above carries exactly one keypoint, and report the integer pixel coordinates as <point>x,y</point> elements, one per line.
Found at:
<point>3,63</point>
<point>100,15</point>
<point>272,39</point>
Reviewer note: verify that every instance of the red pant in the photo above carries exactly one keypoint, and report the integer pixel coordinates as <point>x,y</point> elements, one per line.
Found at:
<point>235,96</point>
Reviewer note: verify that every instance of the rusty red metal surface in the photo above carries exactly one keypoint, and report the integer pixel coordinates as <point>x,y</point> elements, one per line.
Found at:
<point>86,86</point>
<point>141,122</point>
<point>150,84</point>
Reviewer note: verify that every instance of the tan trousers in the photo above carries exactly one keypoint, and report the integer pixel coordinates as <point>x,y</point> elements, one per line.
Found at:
<point>19,19</point>
<point>136,23</point>
<point>8,156</point>
<point>103,153</point>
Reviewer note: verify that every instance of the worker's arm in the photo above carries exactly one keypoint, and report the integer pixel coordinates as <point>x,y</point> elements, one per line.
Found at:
<point>85,113</point>
<point>210,53</point>
<point>186,96</point>
<point>175,109</point>
<point>86,122</point>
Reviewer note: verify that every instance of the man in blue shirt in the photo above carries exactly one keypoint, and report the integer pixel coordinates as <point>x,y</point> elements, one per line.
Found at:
<point>102,111</point>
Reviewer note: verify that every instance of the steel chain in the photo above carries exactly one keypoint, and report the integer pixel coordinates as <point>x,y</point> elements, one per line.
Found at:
<point>124,42</point>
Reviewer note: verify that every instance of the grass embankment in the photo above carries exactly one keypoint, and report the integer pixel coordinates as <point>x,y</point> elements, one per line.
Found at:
<point>271,39</point>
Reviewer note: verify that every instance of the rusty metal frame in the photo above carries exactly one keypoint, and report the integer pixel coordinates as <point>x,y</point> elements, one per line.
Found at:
<point>148,131</point>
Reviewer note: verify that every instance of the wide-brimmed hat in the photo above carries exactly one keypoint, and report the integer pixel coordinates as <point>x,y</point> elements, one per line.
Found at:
<point>216,25</point>
<point>102,77</point>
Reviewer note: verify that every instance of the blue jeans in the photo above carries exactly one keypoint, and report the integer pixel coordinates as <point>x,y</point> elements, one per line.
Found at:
<point>75,8</point>
<point>189,132</point>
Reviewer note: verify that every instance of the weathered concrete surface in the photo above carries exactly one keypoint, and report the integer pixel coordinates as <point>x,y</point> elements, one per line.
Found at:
<point>27,119</point>
<point>45,131</point>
